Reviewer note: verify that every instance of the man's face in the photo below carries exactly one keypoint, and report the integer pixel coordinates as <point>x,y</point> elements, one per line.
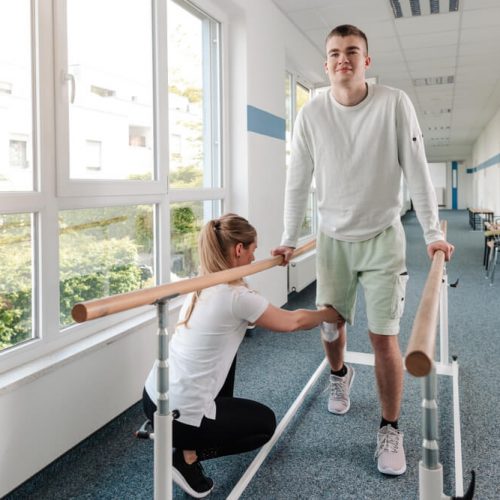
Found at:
<point>346,59</point>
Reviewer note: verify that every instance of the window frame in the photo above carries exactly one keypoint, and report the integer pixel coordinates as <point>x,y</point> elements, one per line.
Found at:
<point>214,110</point>
<point>214,117</point>
<point>54,191</point>
<point>66,186</point>
<point>297,80</point>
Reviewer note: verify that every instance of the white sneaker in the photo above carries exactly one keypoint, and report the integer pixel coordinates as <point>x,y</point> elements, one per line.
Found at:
<point>339,401</point>
<point>390,454</point>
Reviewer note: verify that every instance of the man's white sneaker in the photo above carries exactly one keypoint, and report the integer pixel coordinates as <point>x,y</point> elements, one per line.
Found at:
<point>339,401</point>
<point>390,454</point>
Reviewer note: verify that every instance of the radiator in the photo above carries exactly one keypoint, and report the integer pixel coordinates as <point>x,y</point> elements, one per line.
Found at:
<point>440,193</point>
<point>302,272</point>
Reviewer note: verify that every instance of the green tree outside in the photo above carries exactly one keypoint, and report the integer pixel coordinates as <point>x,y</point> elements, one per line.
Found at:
<point>102,252</point>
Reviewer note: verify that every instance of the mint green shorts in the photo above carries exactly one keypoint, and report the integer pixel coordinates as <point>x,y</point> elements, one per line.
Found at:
<point>377,264</point>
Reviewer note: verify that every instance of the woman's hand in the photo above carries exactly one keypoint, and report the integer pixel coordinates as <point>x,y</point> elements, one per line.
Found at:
<point>332,316</point>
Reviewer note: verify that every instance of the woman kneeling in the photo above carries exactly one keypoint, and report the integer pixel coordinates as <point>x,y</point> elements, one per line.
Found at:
<point>202,358</point>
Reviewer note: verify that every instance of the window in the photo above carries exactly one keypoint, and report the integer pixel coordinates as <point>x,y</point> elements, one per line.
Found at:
<point>93,153</point>
<point>290,116</point>
<point>110,86</point>
<point>18,153</point>
<point>302,95</point>
<point>117,220</point>
<point>16,283</point>
<point>104,252</point>
<point>16,101</point>
<point>102,91</point>
<point>186,220</point>
<point>5,88</point>
<point>297,94</point>
<point>17,218</point>
<point>139,137</point>
<point>194,90</point>
<point>194,132</point>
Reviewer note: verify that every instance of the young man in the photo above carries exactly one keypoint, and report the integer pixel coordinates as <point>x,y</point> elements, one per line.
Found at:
<point>358,140</point>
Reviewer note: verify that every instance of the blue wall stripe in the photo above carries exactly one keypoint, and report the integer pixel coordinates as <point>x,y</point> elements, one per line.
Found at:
<point>262,122</point>
<point>488,163</point>
<point>454,185</point>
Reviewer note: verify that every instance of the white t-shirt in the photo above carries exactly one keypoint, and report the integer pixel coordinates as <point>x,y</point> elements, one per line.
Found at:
<point>357,155</point>
<point>201,354</point>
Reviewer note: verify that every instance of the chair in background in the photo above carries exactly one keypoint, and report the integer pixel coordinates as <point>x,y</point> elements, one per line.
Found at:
<point>491,229</point>
<point>493,250</point>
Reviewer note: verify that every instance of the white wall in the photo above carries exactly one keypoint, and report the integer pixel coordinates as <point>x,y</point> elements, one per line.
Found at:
<point>464,182</point>
<point>259,176</point>
<point>262,37</point>
<point>438,175</point>
<point>486,182</point>
<point>45,414</point>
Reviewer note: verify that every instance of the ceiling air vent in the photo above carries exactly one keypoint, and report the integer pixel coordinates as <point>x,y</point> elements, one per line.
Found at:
<point>442,111</point>
<point>433,80</point>
<point>411,8</point>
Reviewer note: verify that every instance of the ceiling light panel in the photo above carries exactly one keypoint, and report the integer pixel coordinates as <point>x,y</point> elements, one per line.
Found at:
<point>437,112</point>
<point>433,80</point>
<point>413,8</point>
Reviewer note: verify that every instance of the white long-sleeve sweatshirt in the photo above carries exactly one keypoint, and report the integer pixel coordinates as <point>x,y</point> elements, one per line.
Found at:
<point>357,155</point>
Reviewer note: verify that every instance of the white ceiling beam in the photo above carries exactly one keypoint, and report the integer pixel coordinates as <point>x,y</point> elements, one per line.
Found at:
<point>405,8</point>
<point>425,7</point>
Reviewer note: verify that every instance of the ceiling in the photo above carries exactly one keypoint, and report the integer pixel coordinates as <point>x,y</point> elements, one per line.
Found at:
<point>422,54</point>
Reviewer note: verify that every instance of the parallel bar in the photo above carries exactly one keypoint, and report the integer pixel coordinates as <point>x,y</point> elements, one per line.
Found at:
<point>420,352</point>
<point>97,308</point>
<point>264,451</point>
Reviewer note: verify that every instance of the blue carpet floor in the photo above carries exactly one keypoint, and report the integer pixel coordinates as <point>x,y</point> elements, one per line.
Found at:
<point>320,455</point>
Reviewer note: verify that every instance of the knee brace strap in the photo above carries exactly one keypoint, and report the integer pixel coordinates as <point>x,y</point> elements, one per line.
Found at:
<point>329,331</point>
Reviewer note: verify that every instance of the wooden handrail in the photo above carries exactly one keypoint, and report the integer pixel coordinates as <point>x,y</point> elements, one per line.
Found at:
<point>420,352</point>
<point>97,308</point>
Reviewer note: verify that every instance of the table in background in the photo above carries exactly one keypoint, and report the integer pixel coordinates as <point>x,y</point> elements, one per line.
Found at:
<point>477,215</point>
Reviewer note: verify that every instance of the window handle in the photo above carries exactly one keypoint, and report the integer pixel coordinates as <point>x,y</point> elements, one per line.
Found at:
<point>71,78</point>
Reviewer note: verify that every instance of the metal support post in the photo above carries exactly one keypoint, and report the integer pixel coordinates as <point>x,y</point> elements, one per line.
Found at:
<point>162,417</point>
<point>443,321</point>
<point>430,470</point>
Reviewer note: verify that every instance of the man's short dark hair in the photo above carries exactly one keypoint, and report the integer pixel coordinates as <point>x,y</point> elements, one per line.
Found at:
<point>347,30</point>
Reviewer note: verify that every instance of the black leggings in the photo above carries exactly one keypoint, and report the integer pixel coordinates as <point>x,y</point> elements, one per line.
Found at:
<point>240,425</point>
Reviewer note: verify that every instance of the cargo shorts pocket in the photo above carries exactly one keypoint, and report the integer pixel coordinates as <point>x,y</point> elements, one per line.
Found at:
<point>398,306</point>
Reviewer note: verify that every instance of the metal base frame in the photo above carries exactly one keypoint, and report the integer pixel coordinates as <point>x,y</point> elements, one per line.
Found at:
<point>430,470</point>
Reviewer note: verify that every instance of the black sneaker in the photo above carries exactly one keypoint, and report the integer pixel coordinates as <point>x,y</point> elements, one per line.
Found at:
<point>190,477</point>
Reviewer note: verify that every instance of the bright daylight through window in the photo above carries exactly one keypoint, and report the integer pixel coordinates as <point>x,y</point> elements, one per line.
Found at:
<point>297,95</point>
<point>93,237</point>
<point>16,174</point>
<point>194,130</point>
<point>111,90</point>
